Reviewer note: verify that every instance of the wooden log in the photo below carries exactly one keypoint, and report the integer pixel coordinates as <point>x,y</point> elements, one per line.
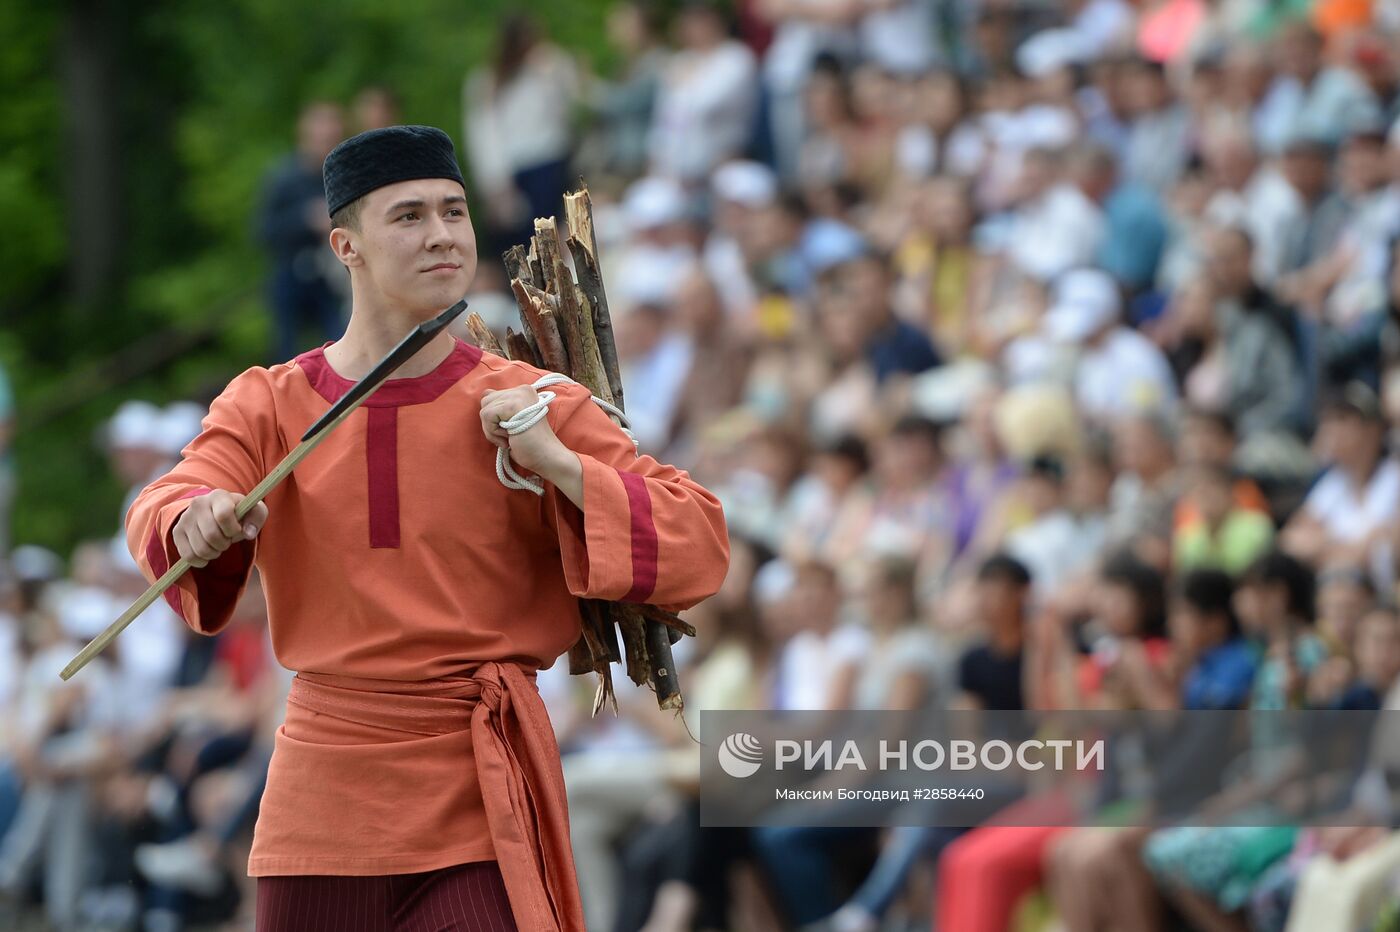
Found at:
<point>633,629</point>
<point>538,316</point>
<point>661,668</point>
<point>595,614</point>
<point>669,619</point>
<point>545,247</point>
<point>517,263</point>
<point>520,348</point>
<point>578,214</point>
<point>580,658</point>
<point>577,327</point>
<point>482,334</point>
<point>591,282</point>
<point>568,329</point>
<point>605,693</point>
<point>583,246</point>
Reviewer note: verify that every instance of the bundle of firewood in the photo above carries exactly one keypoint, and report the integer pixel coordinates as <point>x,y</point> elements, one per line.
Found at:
<point>566,328</point>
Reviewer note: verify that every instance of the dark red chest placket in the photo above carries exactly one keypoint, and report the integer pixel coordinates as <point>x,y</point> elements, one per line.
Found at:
<point>382,462</point>
<point>382,427</point>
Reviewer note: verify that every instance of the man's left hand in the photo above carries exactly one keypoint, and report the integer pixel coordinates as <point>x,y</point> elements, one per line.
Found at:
<point>536,449</point>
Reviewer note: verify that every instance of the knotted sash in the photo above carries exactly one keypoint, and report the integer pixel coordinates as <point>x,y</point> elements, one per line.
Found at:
<point>517,763</point>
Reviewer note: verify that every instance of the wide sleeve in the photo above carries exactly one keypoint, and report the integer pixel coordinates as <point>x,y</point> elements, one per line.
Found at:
<point>228,455</point>
<point>648,533</point>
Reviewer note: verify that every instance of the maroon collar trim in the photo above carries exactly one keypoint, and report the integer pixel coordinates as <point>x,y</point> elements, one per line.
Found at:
<point>331,385</point>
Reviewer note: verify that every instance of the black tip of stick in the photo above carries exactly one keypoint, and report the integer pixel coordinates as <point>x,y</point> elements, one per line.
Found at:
<point>416,340</point>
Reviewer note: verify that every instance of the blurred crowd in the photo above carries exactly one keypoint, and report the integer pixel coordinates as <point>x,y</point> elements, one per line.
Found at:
<point>1044,356</point>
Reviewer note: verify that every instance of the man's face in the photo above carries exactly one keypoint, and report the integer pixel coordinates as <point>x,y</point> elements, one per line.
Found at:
<point>320,129</point>
<point>998,601</point>
<point>1362,166</point>
<point>1298,52</point>
<point>1205,441</point>
<point>1229,262</point>
<point>415,249</point>
<point>1348,440</point>
<point>865,284</point>
<point>1305,171</point>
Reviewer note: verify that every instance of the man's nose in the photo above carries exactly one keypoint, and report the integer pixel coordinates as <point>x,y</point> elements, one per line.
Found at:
<point>438,232</point>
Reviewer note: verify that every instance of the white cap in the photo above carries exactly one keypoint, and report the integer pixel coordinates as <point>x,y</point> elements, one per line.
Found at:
<point>1043,126</point>
<point>946,392</point>
<point>181,422</point>
<point>751,184</point>
<point>773,581</point>
<point>1050,50</point>
<point>32,563</point>
<point>654,202</point>
<point>828,243</point>
<point>1086,301</point>
<point>136,425</point>
<point>651,275</point>
<point>85,611</point>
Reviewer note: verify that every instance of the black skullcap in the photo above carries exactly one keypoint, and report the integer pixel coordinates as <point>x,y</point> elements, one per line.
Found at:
<point>379,157</point>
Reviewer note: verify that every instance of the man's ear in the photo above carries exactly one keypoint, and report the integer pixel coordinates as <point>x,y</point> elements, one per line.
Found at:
<point>345,249</point>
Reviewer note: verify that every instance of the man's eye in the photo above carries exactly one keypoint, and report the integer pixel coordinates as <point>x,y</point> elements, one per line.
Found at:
<point>455,212</point>
<point>409,216</point>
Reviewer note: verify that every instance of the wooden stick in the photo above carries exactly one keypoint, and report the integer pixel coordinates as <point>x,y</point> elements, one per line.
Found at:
<point>520,347</point>
<point>669,619</point>
<point>545,293</point>
<point>157,589</point>
<point>545,246</point>
<point>662,668</point>
<point>577,328</point>
<point>591,282</point>
<point>517,263</point>
<point>580,658</point>
<point>537,313</point>
<point>583,246</point>
<point>633,628</point>
<point>578,214</point>
<point>335,415</point>
<point>482,334</point>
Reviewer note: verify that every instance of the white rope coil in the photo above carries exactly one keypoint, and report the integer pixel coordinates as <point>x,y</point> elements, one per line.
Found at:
<point>526,418</point>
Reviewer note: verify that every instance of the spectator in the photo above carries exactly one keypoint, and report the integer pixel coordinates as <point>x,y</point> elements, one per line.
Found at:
<point>1349,512</point>
<point>1309,99</point>
<point>293,225</point>
<point>1226,536</point>
<point>7,466</point>
<point>1158,128</point>
<point>517,122</point>
<point>376,107</point>
<point>624,104</point>
<point>705,107</point>
<point>990,674</point>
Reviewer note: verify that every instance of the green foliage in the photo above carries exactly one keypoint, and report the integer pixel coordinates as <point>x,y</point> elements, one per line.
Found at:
<point>30,138</point>
<point>207,102</point>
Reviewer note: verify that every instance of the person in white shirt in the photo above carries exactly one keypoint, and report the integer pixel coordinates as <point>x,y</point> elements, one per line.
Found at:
<point>516,122</point>
<point>819,665</point>
<point>706,103</point>
<point>1117,371</point>
<point>1307,99</point>
<point>1350,513</point>
<point>1056,227</point>
<point>803,30</point>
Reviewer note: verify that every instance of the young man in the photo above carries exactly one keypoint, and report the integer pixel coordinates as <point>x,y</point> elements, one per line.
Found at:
<point>416,775</point>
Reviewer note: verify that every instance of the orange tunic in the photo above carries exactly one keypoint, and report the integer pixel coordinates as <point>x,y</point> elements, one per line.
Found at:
<point>416,597</point>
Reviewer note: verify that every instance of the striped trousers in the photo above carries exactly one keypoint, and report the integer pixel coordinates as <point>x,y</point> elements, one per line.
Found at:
<point>462,898</point>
